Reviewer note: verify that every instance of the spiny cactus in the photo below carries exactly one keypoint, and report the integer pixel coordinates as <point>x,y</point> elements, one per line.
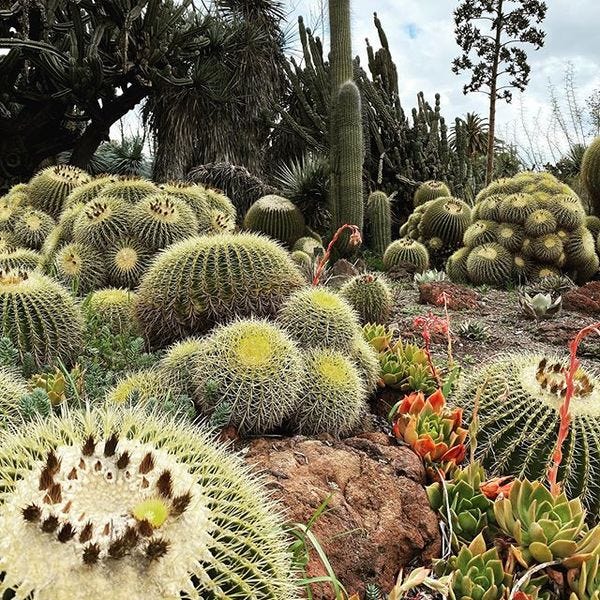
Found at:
<point>161,220</point>
<point>406,254</point>
<point>317,317</point>
<point>447,219</point>
<point>309,245</point>
<point>568,211</point>
<point>255,369</point>
<point>590,173</point>
<point>456,266</point>
<point>20,259</point>
<point>276,217</point>
<point>219,201</point>
<point>80,268</point>
<point>8,215</point>
<point>303,260</point>
<point>371,297</point>
<point>379,220</point>
<point>48,190</point>
<point>112,307</point>
<point>540,222</point>
<point>89,191</point>
<point>130,189</point>
<point>102,222</point>
<point>519,416</point>
<point>430,190</point>
<point>509,235</point>
<point>490,264</point>
<point>333,395</point>
<point>40,317</point>
<point>126,261</point>
<point>31,228</point>
<point>178,365</point>
<point>592,222</point>
<point>12,388</point>
<point>366,359</point>
<point>516,208</point>
<point>202,281</point>
<point>177,500</point>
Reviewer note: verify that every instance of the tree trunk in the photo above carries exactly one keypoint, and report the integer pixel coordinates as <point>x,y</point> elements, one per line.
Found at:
<point>493,96</point>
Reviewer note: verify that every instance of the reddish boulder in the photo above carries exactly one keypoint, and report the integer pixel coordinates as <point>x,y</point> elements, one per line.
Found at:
<point>583,299</point>
<point>378,518</point>
<point>456,296</point>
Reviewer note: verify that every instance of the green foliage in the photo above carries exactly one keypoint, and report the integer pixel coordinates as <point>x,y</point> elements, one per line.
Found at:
<point>40,318</point>
<point>333,395</point>
<point>276,217</point>
<point>256,369</point>
<point>48,190</point>
<point>317,317</point>
<point>590,173</point>
<point>406,254</point>
<point>80,268</point>
<point>371,297</point>
<point>473,330</point>
<point>202,281</point>
<point>379,221</point>
<point>123,157</point>
<point>519,417</point>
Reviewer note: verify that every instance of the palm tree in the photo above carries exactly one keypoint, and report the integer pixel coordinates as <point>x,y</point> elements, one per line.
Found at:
<point>475,129</point>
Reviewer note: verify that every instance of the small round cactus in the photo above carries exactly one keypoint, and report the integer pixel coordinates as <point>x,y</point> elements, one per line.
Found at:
<point>590,173</point>
<point>540,222</point>
<point>49,189</point>
<point>568,211</point>
<point>12,388</point>
<point>31,228</point>
<point>161,220</point>
<point>302,259</point>
<point>371,297</point>
<point>309,246</point>
<point>40,317</point>
<point>447,219</point>
<point>333,396</point>
<point>490,264</point>
<point>130,189</point>
<point>480,232</point>
<point>88,191</point>
<point>276,217</point>
<point>127,260</point>
<point>592,222</point>
<point>406,254</point>
<point>253,370</point>
<point>547,248</point>
<point>114,308</point>
<point>177,366</point>
<point>206,280</point>
<point>366,359</point>
<point>516,208</point>
<point>220,202</point>
<point>102,222</point>
<point>80,268</point>
<point>20,259</point>
<point>135,505</point>
<point>8,215</point>
<point>456,266</point>
<point>430,190</point>
<point>510,235</point>
<point>489,208</point>
<point>317,317</point>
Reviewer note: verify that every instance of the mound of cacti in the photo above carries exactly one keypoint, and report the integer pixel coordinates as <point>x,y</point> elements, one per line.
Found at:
<point>407,254</point>
<point>130,189</point>
<point>371,297</point>
<point>205,280</point>
<point>519,419</point>
<point>40,317</point>
<point>525,228</point>
<point>135,506</point>
<point>276,217</point>
<point>439,224</point>
<point>89,191</point>
<point>102,222</point>
<point>252,370</point>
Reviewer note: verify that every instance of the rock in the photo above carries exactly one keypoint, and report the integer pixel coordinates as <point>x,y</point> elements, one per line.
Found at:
<point>584,299</point>
<point>457,296</point>
<point>378,518</point>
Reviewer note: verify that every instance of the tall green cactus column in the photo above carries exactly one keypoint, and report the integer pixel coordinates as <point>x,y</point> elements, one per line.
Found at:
<point>379,219</point>
<point>347,150</point>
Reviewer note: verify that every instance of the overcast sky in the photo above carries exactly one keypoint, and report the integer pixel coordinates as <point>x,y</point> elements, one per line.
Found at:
<point>421,37</point>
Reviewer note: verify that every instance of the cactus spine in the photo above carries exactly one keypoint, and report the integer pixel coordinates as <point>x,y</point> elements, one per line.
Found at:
<point>379,218</point>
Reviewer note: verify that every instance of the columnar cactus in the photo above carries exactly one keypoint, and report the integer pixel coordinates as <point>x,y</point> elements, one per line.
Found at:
<point>379,219</point>
<point>276,217</point>
<point>590,173</point>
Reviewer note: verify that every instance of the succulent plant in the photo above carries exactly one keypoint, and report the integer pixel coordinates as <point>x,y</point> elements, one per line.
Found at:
<point>332,397</point>
<point>446,218</point>
<point>478,573</point>
<point>488,208</point>
<point>177,500</point>
<point>130,189</point>
<point>317,317</point>
<point>80,268</point>
<point>545,527</point>
<point>379,336</point>
<point>469,510</point>
<point>31,228</point>
<point>366,359</point>
<point>540,222</point>
<point>510,235</point>
<point>490,264</point>
<point>89,191</point>
<point>303,260</point>
<point>178,365</point>
<point>276,217</point>
<point>371,297</point>
<point>456,266</point>
<point>219,201</point>
<point>516,208</point>
<point>590,169</point>
<point>161,220</point>
<point>12,388</point>
<point>592,222</point>
<point>113,308</point>
<point>408,254</point>
<point>518,420</point>
<point>480,232</point>
<point>568,211</point>
<point>40,317</point>
<point>540,306</point>
<point>48,190</point>
<point>431,429</point>
<point>202,281</point>
<point>255,369</point>
<point>126,261</point>
<point>309,245</point>
<point>584,581</point>
<point>473,330</point>
<point>429,276</point>
<point>556,285</point>
<point>379,220</point>
<point>430,190</point>
<point>20,258</point>
<point>102,222</point>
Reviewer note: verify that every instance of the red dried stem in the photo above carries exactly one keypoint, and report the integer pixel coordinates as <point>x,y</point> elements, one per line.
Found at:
<point>355,240</point>
<point>426,324</point>
<point>564,413</point>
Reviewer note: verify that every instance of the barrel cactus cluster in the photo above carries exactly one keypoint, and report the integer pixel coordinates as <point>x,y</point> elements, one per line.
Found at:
<point>525,228</point>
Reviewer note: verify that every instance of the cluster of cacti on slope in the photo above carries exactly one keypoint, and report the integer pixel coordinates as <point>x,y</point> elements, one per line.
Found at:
<point>525,228</point>
<point>95,232</point>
